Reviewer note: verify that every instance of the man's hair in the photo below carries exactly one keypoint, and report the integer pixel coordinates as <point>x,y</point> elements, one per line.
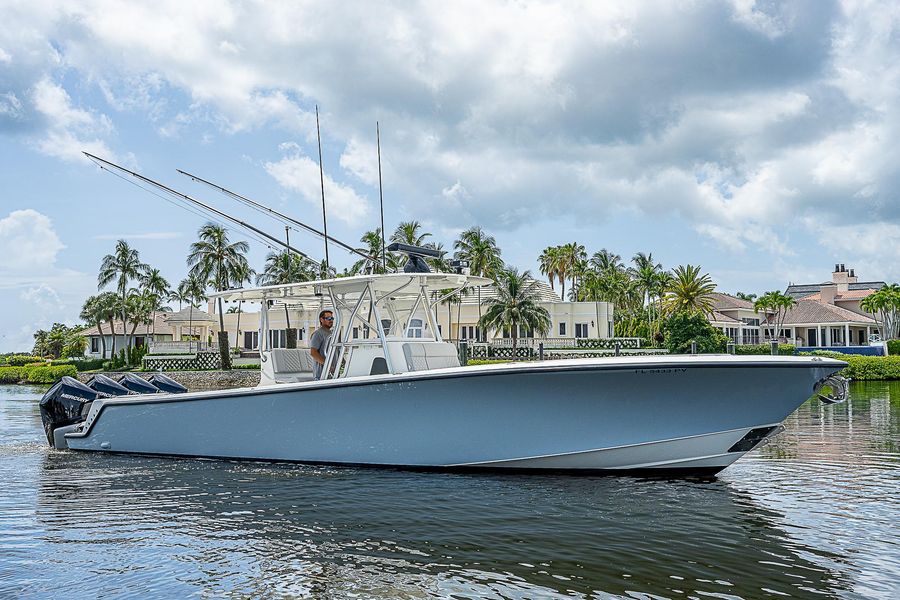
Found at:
<point>325,312</point>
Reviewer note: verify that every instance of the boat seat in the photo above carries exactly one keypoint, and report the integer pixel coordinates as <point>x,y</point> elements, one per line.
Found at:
<point>291,364</point>
<point>423,357</point>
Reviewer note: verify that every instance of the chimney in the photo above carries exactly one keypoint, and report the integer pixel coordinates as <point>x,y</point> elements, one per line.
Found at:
<point>828,291</point>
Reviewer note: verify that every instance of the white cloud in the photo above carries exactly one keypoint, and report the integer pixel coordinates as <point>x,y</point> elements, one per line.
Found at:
<point>300,174</point>
<point>5,58</point>
<point>43,296</point>
<point>70,130</point>
<point>28,241</point>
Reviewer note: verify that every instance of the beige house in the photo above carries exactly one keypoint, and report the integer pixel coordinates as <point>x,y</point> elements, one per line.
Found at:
<point>826,315</point>
<point>167,329</point>
<point>569,322</point>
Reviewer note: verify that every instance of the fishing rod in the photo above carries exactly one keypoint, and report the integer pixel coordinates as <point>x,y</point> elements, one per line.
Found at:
<point>272,212</point>
<point>177,194</point>
<point>381,198</point>
<point>322,181</point>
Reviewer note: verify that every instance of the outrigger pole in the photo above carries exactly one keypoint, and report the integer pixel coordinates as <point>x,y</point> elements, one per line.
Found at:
<point>103,164</point>
<point>322,181</point>
<point>381,199</point>
<point>272,212</point>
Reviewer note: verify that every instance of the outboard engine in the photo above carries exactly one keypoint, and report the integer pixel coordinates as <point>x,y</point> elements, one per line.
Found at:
<point>137,385</point>
<point>166,384</point>
<point>63,406</point>
<point>106,387</point>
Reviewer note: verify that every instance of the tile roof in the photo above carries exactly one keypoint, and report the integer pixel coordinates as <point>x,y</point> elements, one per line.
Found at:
<point>187,314</point>
<point>813,311</point>
<point>159,326</point>
<point>725,301</point>
<point>718,317</point>
<point>848,295</point>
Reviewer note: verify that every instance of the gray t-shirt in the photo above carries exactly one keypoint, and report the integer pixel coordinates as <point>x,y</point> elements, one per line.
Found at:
<point>320,340</point>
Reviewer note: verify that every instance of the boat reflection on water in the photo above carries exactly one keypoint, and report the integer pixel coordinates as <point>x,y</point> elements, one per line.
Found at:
<point>179,527</point>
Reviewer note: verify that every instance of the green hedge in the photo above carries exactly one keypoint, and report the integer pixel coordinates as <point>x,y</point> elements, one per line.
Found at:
<point>865,368</point>
<point>20,360</point>
<point>42,374</point>
<point>783,349</point>
<point>86,364</point>
<point>893,347</point>
<point>247,366</point>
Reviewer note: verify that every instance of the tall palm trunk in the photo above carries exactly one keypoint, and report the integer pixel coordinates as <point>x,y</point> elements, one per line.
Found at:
<point>102,339</point>
<point>237,329</point>
<point>222,338</point>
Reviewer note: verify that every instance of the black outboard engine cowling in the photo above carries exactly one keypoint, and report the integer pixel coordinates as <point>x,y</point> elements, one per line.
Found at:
<point>167,384</point>
<point>66,403</point>
<point>106,387</point>
<point>138,385</point>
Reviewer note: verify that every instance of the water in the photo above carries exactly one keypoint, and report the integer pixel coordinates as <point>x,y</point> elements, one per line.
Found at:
<point>815,514</point>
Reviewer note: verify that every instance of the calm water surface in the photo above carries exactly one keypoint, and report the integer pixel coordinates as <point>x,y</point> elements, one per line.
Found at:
<point>815,514</point>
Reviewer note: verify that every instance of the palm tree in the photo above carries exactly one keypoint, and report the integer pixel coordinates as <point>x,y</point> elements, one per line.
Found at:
<point>646,278</point>
<point>92,312</point>
<point>548,262</point>
<point>215,259</point>
<point>745,296</point>
<point>407,232</point>
<point>884,305</point>
<point>192,290</point>
<point>122,266</point>
<point>690,291</point>
<point>154,284</point>
<point>571,257</point>
<point>372,246</point>
<point>283,268</point>
<point>517,303</point>
<point>241,277</point>
<point>483,255</point>
<point>778,304</point>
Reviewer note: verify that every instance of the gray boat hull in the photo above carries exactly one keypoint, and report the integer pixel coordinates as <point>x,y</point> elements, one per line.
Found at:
<point>585,415</point>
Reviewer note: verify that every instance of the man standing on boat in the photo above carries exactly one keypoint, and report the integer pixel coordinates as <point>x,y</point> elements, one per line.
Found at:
<point>318,342</point>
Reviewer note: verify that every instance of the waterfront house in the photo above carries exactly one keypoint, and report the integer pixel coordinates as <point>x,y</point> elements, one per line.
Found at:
<point>826,315</point>
<point>166,328</point>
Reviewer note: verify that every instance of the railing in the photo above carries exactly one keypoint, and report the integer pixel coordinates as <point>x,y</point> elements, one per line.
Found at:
<point>179,347</point>
<point>565,342</point>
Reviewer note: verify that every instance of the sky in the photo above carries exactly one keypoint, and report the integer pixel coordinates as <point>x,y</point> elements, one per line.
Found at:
<point>756,139</point>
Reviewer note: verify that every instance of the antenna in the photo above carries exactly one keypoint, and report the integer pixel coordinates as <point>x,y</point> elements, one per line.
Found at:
<point>381,199</point>
<point>322,182</point>
<point>203,205</point>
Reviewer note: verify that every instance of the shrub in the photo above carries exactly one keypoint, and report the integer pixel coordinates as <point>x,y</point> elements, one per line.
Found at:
<point>247,366</point>
<point>684,327</point>
<point>865,368</point>
<point>783,349</point>
<point>893,347</point>
<point>87,364</point>
<point>20,360</point>
<point>36,374</point>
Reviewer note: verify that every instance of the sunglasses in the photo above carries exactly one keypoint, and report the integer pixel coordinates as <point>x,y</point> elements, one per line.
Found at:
<point>328,318</point>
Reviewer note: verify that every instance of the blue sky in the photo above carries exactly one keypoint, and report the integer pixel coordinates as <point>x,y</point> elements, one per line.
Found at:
<point>757,139</point>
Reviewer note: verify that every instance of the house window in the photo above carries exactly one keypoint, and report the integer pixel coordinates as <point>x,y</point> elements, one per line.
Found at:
<point>732,333</point>
<point>277,338</point>
<point>751,336</point>
<point>415,328</point>
<point>471,332</point>
<point>525,333</point>
<point>95,345</point>
<point>581,330</point>
<point>562,329</point>
<point>139,342</point>
<point>251,340</point>
<point>753,322</point>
